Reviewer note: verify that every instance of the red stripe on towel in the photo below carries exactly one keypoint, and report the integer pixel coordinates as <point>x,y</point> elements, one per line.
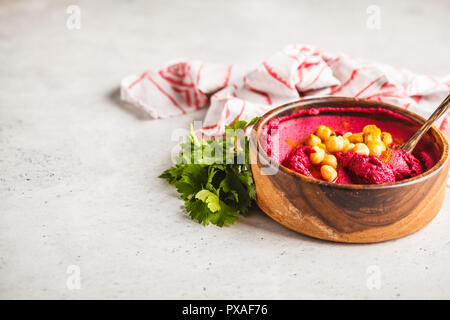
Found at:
<point>174,102</point>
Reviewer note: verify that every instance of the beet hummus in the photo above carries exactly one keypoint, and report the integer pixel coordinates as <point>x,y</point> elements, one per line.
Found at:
<point>356,146</point>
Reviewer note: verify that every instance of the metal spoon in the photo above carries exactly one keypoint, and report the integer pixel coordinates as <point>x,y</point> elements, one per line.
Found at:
<point>411,143</point>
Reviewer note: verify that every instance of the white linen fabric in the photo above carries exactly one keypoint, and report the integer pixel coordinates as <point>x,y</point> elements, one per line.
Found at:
<point>296,72</point>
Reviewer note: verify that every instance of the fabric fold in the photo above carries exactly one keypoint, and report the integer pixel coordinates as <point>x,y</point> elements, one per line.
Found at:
<point>296,72</point>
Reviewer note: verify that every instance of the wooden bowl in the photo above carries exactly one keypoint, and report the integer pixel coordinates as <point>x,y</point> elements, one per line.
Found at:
<point>343,212</point>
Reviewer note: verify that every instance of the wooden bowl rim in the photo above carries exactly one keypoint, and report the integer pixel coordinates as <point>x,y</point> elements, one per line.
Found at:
<point>256,132</point>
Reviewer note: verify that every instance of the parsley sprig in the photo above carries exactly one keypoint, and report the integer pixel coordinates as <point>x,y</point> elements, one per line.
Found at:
<point>213,176</point>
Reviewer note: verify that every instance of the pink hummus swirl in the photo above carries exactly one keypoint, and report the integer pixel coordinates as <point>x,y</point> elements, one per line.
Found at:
<point>281,136</point>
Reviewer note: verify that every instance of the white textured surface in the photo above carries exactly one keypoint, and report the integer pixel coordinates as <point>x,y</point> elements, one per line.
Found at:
<point>78,172</point>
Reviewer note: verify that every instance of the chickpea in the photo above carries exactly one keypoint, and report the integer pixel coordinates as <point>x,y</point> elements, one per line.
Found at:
<point>347,134</point>
<point>361,148</point>
<point>328,173</point>
<point>376,148</point>
<point>329,160</point>
<point>323,132</point>
<point>356,138</point>
<point>346,142</point>
<point>335,144</point>
<point>371,129</point>
<point>348,147</point>
<point>372,138</point>
<point>322,146</point>
<point>312,140</point>
<point>318,156</point>
<point>386,138</point>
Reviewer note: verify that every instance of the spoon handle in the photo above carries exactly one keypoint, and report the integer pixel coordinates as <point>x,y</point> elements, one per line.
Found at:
<point>411,143</point>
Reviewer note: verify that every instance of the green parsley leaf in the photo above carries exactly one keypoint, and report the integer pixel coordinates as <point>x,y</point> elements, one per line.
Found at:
<point>211,200</point>
<point>213,176</point>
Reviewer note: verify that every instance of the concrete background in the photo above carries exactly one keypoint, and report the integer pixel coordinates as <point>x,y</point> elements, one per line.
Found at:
<point>78,171</point>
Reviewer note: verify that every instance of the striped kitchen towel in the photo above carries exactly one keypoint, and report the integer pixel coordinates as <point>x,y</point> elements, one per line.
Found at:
<point>296,72</point>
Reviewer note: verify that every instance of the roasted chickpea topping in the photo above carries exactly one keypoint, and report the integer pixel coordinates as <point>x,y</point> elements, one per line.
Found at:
<point>349,147</point>
<point>361,148</point>
<point>335,144</point>
<point>318,156</point>
<point>386,137</point>
<point>322,146</point>
<point>325,142</point>
<point>328,173</point>
<point>356,138</point>
<point>330,160</point>
<point>372,130</point>
<point>376,148</point>
<point>323,132</point>
<point>372,138</point>
<point>313,140</point>
<point>347,134</point>
<point>346,143</point>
